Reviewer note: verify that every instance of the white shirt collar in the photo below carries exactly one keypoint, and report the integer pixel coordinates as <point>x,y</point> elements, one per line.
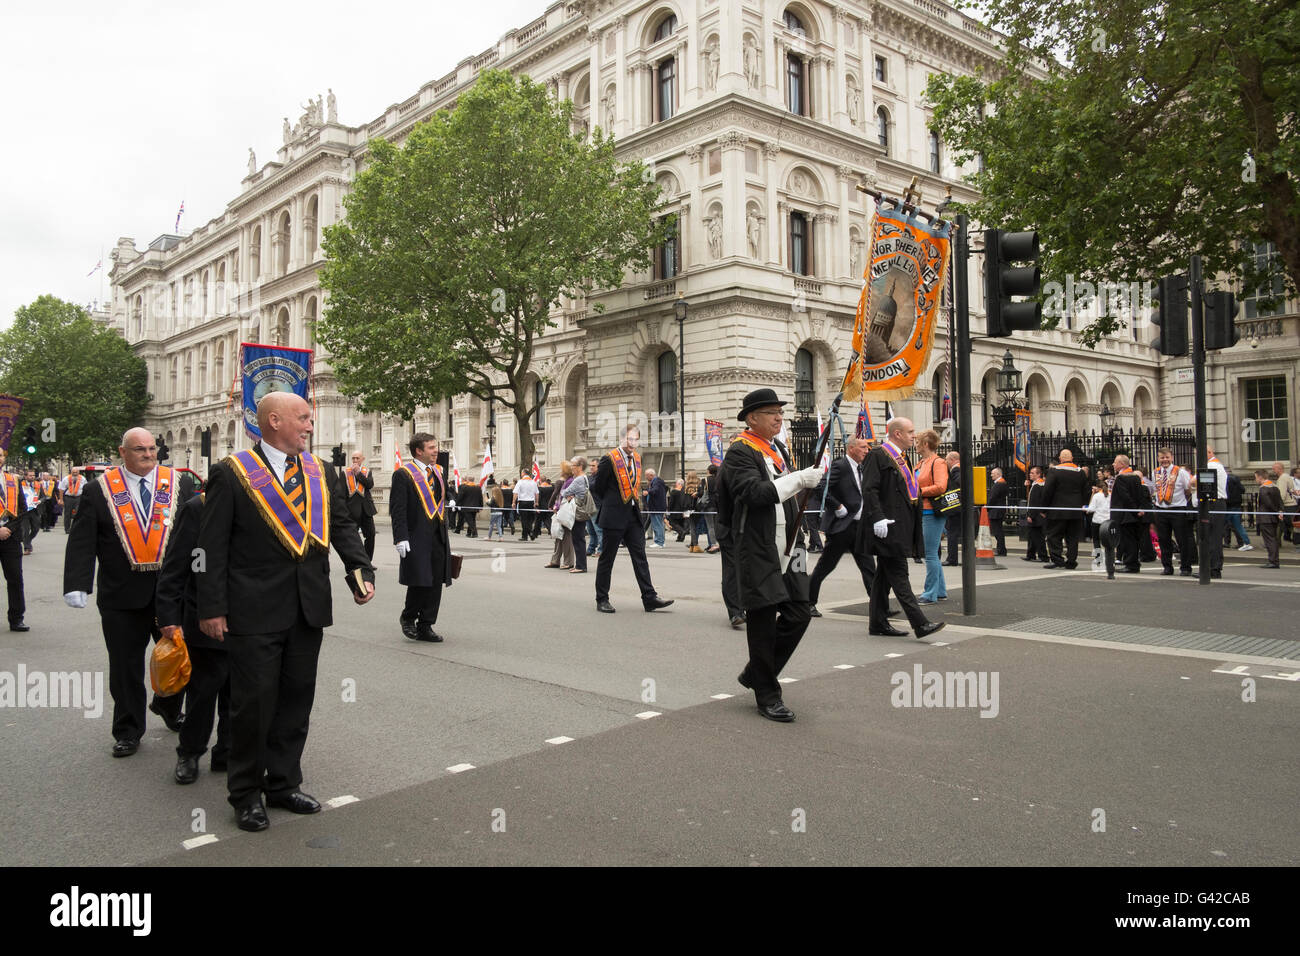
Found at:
<point>275,458</point>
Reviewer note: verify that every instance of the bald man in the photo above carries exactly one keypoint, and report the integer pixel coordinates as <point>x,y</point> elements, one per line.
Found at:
<point>1065,494</point>
<point>123,523</point>
<point>268,522</point>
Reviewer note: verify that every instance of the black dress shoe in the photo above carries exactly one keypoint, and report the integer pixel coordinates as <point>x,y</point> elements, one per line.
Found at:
<point>1167,572</point>
<point>425,632</point>
<point>1216,574</point>
<point>173,721</point>
<point>19,626</point>
<point>813,612</point>
<point>893,613</point>
<point>925,630</point>
<point>1187,572</point>
<point>187,769</point>
<point>1053,566</point>
<point>887,631</point>
<point>950,564</point>
<point>743,681</point>
<point>408,630</point>
<point>605,607</point>
<point>295,801</point>
<point>253,818</point>
<point>124,748</point>
<point>777,711</point>
<point>655,603</point>
<point>738,621</point>
<point>1028,558</point>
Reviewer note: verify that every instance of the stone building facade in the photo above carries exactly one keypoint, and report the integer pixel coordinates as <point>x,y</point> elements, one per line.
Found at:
<point>759,119</point>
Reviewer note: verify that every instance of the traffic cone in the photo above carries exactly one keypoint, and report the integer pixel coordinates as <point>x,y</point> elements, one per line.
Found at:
<point>984,557</point>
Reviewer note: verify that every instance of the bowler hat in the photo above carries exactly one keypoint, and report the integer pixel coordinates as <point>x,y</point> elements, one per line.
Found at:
<point>758,398</point>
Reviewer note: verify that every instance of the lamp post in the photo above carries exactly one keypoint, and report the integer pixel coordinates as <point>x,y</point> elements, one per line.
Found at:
<point>492,419</point>
<point>680,308</point>
<point>1004,415</point>
<point>803,430</point>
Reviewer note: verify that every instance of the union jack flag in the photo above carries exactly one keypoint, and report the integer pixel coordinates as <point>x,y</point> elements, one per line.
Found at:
<point>179,213</point>
<point>98,265</point>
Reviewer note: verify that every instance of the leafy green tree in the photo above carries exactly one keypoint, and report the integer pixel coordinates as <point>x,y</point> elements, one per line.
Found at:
<point>83,386</point>
<point>457,244</point>
<point>1136,133</point>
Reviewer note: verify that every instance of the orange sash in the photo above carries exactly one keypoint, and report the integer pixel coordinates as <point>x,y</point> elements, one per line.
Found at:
<point>144,539</point>
<point>353,487</point>
<point>627,477</point>
<point>9,502</point>
<point>1165,484</point>
<point>74,485</point>
<point>763,447</point>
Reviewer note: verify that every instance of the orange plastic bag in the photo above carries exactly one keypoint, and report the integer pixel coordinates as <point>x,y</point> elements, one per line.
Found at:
<point>169,664</point>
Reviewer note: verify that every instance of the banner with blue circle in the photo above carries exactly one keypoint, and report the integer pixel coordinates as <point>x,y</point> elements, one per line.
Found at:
<point>272,368</point>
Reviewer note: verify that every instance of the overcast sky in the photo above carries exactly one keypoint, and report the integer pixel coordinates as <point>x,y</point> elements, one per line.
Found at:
<point>116,113</point>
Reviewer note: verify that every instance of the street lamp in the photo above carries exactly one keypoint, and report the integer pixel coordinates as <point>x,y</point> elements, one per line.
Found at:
<point>1008,379</point>
<point>1107,420</point>
<point>492,418</point>
<point>680,308</point>
<point>1004,415</point>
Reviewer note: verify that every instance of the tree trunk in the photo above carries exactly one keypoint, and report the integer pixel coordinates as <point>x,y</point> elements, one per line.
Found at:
<point>524,426</point>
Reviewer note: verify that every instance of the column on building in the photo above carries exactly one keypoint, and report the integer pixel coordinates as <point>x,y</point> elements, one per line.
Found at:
<point>839,71</point>
<point>775,208</point>
<point>733,192</point>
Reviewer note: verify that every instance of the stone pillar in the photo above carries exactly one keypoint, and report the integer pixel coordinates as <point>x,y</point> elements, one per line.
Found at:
<point>775,219</point>
<point>733,192</point>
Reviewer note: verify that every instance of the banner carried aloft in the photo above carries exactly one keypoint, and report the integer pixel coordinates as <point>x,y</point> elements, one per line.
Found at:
<point>270,368</point>
<point>1023,419</point>
<point>899,307</point>
<point>713,441</point>
<point>11,407</point>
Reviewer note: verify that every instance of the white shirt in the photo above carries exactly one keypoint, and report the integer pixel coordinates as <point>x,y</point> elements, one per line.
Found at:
<point>854,467</point>
<point>525,490</point>
<point>1100,508</point>
<point>1179,499</point>
<point>133,485</point>
<point>1222,484</point>
<point>277,459</point>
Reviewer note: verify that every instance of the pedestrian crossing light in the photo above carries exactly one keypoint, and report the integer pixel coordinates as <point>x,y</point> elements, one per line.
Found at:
<point>1221,320</point>
<point>29,440</point>
<point>1003,279</point>
<point>1170,316</point>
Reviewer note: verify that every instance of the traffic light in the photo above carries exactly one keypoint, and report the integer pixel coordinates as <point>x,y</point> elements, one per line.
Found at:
<point>163,451</point>
<point>29,440</point>
<point>205,443</point>
<point>1170,316</point>
<point>1220,320</point>
<point>337,452</point>
<point>1002,280</point>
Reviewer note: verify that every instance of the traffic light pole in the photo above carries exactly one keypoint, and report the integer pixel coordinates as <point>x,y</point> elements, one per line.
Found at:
<point>1198,391</point>
<point>965,440</point>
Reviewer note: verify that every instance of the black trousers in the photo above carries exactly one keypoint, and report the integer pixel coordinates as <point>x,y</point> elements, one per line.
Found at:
<point>70,505</point>
<point>422,604</point>
<point>127,634</point>
<point>207,692</point>
<point>272,688</point>
<point>579,532</point>
<point>631,538</point>
<point>1171,526</point>
<point>367,525</point>
<point>1130,548</point>
<point>28,526</point>
<point>891,572</point>
<point>1037,549</point>
<point>1214,540</point>
<point>471,521</point>
<point>1068,529</point>
<point>837,545</point>
<point>1267,531</point>
<point>952,528</point>
<point>773,633</point>
<point>999,536</point>
<point>730,585</point>
<point>11,559</point>
<point>527,519</point>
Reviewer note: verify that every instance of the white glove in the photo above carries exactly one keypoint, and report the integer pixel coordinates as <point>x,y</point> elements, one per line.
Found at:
<point>881,527</point>
<point>75,599</point>
<point>403,548</point>
<point>788,485</point>
<point>810,477</point>
<point>841,511</point>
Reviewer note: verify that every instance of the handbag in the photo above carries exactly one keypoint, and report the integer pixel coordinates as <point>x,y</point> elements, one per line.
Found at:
<point>169,663</point>
<point>568,513</point>
<point>587,509</point>
<point>948,500</point>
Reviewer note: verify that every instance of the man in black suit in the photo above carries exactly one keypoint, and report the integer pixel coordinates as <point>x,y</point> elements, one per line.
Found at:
<point>891,528</point>
<point>1067,487</point>
<point>268,522</point>
<point>952,523</point>
<point>1036,517</point>
<point>355,486</point>
<point>840,517</point>
<point>1269,516</point>
<point>469,504</point>
<point>209,685</point>
<point>619,519</point>
<point>997,505</point>
<point>123,523</point>
<point>419,515</point>
<point>1126,511</point>
<point>757,522</point>
<point>13,506</point>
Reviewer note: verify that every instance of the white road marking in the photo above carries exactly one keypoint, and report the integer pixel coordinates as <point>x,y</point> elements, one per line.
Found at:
<point>1239,669</point>
<point>460,768</point>
<point>198,841</point>
<point>558,740</point>
<point>938,643</point>
<point>893,655</point>
<point>647,714</point>
<point>342,801</point>
<point>1294,676</point>
<point>787,680</point>
<point>722,696</point>
<point>845,667</point>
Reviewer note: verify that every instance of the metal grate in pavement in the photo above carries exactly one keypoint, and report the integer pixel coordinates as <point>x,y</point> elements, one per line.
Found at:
<point>1162,637</point>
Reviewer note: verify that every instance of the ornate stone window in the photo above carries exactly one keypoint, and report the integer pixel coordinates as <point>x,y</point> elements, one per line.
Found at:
<point>935,156</point>
<point>668,257</point>
<point>801,259</point>
<point>667,377</point>
<point>882,128</point>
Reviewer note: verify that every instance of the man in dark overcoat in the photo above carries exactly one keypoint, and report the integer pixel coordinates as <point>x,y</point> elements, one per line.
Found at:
<point>419,515</point>
<point>1127,510</point>
<point>891,528</point>
<point>1065,493</point>
<point>755,488</point>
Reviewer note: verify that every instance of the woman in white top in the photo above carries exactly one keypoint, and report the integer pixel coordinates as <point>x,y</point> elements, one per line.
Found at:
<point>1099,508</point>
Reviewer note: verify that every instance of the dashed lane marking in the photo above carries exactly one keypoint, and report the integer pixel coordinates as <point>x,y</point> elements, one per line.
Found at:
<point>342,801</point>
<point>199,841</point>
<point>845,667</point>
<point>721,696</point>
<point>647,714</point>
<point>460,768</point>
<point>558,740</point>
